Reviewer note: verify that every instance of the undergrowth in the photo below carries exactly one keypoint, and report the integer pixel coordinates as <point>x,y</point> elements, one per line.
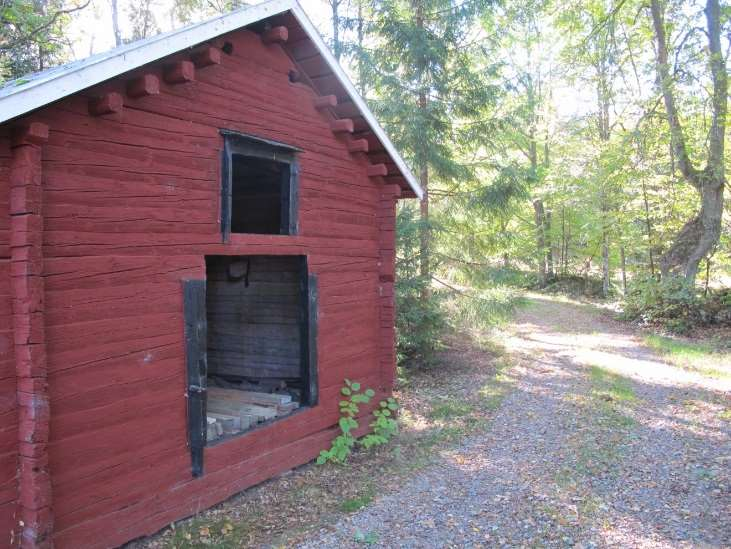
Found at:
<point>711,359</point>
<point>675,304</point>
<point>383,427</point>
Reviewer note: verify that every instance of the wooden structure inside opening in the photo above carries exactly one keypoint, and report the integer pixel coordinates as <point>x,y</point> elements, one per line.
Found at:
<point>261,316</point>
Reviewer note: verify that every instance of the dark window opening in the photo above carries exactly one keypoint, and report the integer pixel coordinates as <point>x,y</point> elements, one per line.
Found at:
<point>259,188</point>
<point>261,328</point>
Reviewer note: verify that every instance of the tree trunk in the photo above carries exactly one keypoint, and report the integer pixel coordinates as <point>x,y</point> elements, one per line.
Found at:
<point>623,259</point>
<point>566,239</point>
<point>115,24</point>
<point>503,230</point>
<point>424,228</point>
<point>605,263</point>
<point>337,46</point>
<point>648,227</point>
<point>540,241</point>
<point>604,95</point>
<point>360,33</point>
<point>699,235</point>
<point>550,273</point>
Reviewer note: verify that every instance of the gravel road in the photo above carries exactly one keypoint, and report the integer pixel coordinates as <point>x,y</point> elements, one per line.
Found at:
<point>601,444</point>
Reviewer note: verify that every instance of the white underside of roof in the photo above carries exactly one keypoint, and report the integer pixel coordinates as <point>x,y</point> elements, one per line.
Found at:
<point>23,97</point>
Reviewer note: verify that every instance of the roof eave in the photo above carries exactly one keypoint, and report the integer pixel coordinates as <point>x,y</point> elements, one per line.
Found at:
<point>356,98</point>
<point>55,86</point>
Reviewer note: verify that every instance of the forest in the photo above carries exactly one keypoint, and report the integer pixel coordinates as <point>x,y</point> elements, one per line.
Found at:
<point>575,146</point>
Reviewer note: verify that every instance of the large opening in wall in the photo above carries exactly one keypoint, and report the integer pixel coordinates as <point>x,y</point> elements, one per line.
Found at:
<point>261,324</point>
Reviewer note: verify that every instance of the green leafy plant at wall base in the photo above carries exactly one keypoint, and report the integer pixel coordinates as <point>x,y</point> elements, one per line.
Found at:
<point>384,425</point>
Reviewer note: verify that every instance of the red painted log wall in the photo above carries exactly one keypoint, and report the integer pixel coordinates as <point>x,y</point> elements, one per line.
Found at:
<point>8,400</point>
<point>131,206</point>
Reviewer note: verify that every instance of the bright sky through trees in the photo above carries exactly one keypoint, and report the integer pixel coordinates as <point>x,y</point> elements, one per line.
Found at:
<point>90,31</point>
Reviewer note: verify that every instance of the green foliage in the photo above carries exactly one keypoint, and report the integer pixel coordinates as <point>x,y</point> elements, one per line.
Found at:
<point>450,409</point>
<point>424,48</point>
<point>420,323</point>
<point>482,309</point>
<point>672,303</point>
<point>491,276</point>
<point>32,35</point>
<point>384,426</point>
<point>351,505</point>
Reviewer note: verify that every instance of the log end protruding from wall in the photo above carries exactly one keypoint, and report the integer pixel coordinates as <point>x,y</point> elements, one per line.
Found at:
<point>109,103</point>
<point>342,125</point>
<point>322,102</point>
<point>147,84</point>
<point>377,170</point>
<point>275,35</point>
<point>179,73</point>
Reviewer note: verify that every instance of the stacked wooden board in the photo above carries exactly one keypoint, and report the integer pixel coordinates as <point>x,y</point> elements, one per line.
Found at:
<point>231,411</point>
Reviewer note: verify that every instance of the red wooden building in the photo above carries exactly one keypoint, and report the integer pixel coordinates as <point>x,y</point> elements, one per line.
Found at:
<point>196,248</point>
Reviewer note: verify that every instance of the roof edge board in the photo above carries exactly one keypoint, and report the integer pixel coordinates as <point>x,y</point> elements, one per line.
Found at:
<point>356,98</point>
<point>57,86</point>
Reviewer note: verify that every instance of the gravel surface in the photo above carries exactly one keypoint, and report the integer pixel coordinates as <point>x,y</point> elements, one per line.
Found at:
<point>601,444</point>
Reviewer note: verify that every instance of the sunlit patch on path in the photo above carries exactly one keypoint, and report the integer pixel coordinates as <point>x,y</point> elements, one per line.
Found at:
<point>602,443</point>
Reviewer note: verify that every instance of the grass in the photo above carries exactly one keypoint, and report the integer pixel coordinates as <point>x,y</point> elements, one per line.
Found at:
<point>609,386</point>
<point>450,409</point>
<point>480,309</point>
<point>222,533</point>
<point>605,404</point>
<point>351,505</point>
<point>703,356</point>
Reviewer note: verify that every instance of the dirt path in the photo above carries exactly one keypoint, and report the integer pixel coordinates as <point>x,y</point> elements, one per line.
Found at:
<point>601,444</point>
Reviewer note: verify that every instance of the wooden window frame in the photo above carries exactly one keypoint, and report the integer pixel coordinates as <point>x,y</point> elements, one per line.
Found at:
<point>196,344</point>
<point>257,147</point>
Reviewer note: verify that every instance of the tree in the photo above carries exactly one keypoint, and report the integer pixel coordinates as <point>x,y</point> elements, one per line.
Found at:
<point>526,133</point>
<point>32,34</point>
<point>337,45</point>
<point>115,23</point>
<point>187,11</point>
<point>426,80</point>
<point>142,18</point>
<point>701,234</point>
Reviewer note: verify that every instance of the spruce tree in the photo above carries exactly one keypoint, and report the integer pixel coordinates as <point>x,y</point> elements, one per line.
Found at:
<point>425,83</point>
